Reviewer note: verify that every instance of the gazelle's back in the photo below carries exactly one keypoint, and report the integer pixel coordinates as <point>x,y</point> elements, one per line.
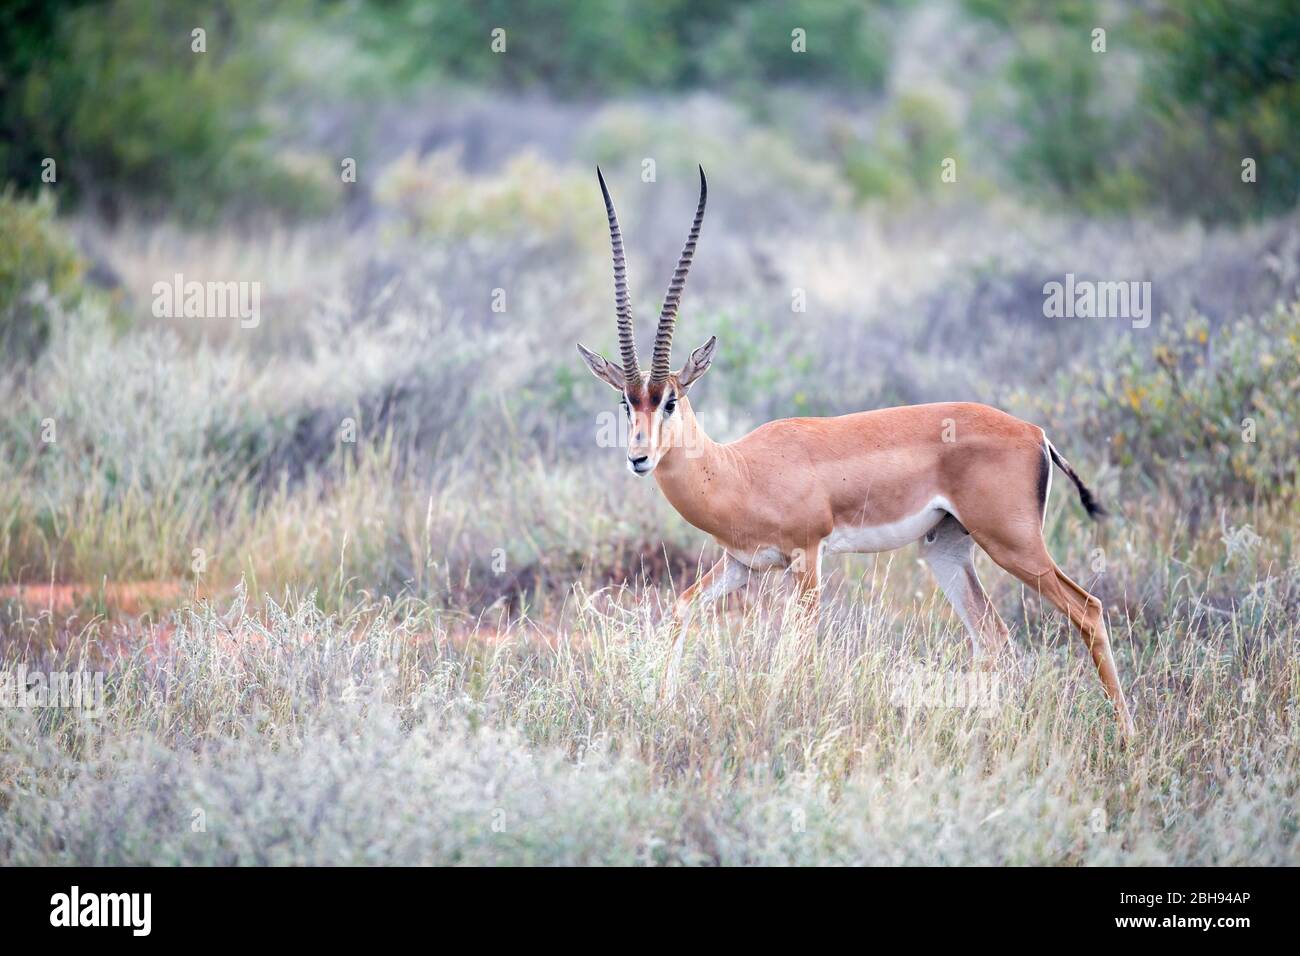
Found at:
<point>886,465</point>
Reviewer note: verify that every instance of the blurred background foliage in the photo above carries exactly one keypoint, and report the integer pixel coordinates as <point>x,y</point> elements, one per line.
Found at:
<point>37,263</point>
<point>1216,81</point>
<point>1191,86</point>
<point>590,48</point>
<point>129,119</point>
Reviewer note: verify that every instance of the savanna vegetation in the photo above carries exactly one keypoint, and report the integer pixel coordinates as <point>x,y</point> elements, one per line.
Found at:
<point>362,584</point>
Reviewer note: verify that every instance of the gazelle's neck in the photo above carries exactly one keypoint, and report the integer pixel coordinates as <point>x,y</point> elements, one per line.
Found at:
<point>697,475</point>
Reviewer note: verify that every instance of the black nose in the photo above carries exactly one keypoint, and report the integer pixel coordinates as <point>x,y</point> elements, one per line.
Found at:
<point>639,461</point>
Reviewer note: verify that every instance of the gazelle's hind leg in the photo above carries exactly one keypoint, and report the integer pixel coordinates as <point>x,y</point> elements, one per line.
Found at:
<point>1018,546</point>
<point>949,552</point>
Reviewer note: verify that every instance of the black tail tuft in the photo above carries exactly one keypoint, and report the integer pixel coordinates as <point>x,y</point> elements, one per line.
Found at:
<point>1090,503</point>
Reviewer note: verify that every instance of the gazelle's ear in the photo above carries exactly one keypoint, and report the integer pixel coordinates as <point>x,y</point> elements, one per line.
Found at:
<point>602,368</point>
<point>698,363</point>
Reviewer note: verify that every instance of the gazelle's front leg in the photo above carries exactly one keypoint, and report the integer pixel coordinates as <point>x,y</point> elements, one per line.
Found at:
<point>720,580</point>
<point>806,566</point>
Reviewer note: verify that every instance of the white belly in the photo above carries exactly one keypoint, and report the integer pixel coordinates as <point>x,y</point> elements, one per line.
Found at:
<point>761,559</point>
<point>867,539</point>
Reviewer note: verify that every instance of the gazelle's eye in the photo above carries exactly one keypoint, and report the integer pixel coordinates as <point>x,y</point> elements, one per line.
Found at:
<point>627,409</point>
<point>670,406</point>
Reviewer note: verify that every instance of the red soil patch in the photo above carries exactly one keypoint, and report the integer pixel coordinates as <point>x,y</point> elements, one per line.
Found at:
<point>129,598</point>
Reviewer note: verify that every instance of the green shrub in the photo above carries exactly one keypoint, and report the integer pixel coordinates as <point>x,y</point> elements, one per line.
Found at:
<point>570,45</point>
<point>845,45</point>
<point>1186,90</point>
<point>1223,85</point>
<point>716,135</point>
<point>1198,412</point>
<point>590,47</point>
<point>905,155</point>
<point>34,256</point>
<point>1057,128</point>
<point>434,196</point>
<point>1067,137</point>
<point>116,96</point>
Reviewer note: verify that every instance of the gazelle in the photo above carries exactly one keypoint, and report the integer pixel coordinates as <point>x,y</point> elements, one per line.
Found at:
<point>949,476</point>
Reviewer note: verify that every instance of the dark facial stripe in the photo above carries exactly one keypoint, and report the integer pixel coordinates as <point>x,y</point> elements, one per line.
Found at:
<point>651,397</point>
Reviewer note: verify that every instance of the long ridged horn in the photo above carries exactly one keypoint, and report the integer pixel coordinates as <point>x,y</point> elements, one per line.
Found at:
<point>659,366</point>
<point>622,301</point>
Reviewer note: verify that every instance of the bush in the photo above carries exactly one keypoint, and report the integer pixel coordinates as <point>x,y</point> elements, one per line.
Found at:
<point>595,48</point>
<point>115,95</point>
<point>906,154</point>
<point>1184,93</point>
<point>1200,413</point>
<point>1224,86</point>
<point>845,45</point>
<point>570,45</point>
<point>433,195</point>
<point>36,263</point>
<point>779,172</point>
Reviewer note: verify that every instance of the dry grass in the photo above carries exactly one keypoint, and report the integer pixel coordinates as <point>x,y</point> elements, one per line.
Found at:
<point>381,736</point>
